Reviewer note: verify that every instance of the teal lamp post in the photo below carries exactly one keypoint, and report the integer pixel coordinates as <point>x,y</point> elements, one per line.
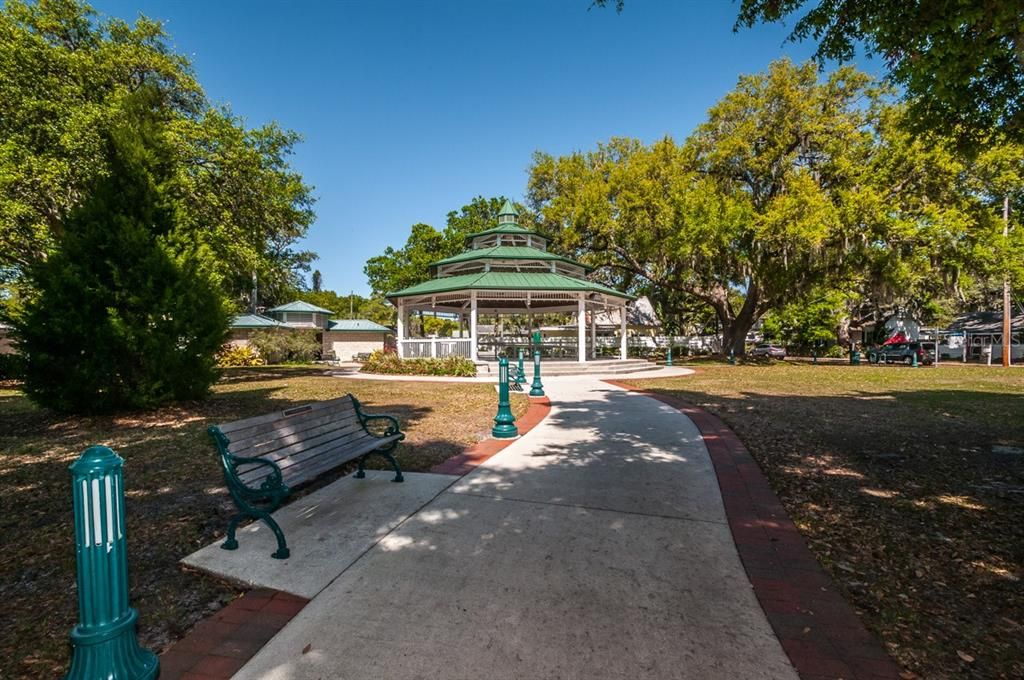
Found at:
<point>520,373</point>
<point>537,388</point>
<point>104,642</point>
<point>504,422</point>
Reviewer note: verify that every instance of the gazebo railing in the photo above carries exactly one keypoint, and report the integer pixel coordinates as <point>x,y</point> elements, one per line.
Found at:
<point>435,348</point>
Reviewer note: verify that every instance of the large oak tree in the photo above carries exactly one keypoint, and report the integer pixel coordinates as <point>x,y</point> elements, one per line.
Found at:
<point>755,201</point>
<point>65,78</point>
<point>795,187</point>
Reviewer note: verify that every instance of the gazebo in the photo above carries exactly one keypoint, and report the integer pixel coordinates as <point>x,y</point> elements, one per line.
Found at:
<point>506,271</point>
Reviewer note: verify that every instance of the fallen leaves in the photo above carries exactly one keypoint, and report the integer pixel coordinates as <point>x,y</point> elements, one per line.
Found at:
<point>176,501</point>
<point>933,563</point>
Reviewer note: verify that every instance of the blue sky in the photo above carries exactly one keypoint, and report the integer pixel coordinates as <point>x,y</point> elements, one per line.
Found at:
<point>409,109</point>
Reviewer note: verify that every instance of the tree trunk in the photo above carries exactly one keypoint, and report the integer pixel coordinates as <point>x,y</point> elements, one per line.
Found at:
<point>735,326</point>
<point>843,332</point>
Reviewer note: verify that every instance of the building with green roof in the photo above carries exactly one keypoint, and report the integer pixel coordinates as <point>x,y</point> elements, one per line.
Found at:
<point>339,339</point>
<point>507,270</point>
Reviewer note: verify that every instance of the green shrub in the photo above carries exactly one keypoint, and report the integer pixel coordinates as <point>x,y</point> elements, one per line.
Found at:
<point>12,367</point>
<point>234,356</point>
<point>388,363</point>
<point>835,352</point>
<point>280,346</point>
<point>125,316</point>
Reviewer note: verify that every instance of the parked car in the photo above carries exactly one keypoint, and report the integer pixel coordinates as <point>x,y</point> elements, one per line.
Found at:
<point>768,350</point>
<point>900,352</point>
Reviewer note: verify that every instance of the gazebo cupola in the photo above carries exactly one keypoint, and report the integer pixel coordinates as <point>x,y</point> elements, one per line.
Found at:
<point>507,270</point>
<point>508,233</point>
<point>508,214</point>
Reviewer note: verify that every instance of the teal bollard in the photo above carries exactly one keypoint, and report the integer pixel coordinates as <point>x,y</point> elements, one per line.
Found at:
<point>814,356</point>
<point>520,373</point>
<point>668,361</point>
<point>104,643</point>
<point>913,360</point>
<point>732,358</point>
<point>504,422</point>
<point>536,389</point>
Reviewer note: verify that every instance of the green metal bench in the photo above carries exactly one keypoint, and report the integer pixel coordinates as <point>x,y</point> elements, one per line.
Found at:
<point>264,457</point>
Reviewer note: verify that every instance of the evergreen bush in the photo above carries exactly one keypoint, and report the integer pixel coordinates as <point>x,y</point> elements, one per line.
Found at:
<point>124,317</point>
<point>12,367</point>
<point>286,346</point>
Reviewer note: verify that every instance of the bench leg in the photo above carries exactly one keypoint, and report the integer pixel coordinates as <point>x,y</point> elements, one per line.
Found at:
<point>361,471</point>
<point>282,552</point>
<point>230,543</point>
<point>394,464</point>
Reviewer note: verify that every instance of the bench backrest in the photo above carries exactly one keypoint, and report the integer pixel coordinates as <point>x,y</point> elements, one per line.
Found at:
<point>304,441</point>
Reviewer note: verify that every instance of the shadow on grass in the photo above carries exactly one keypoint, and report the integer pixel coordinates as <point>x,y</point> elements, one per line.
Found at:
<point>176,502</point>
<point>262,373</point>
<point>914,501</point>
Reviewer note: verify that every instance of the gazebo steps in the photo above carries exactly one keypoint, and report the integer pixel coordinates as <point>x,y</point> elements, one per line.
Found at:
<point>553,367</point>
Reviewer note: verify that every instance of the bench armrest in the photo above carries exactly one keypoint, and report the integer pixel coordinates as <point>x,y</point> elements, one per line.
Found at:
<point>272,482</point>
<point>392,428</point>
<point>272,487</point>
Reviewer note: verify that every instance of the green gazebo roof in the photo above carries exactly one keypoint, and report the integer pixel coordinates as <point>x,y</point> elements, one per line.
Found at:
<point>507,229</point>
<point>537,280</point>
<point>507,253</point>
<point>508,281</point>
<point>508,209</point>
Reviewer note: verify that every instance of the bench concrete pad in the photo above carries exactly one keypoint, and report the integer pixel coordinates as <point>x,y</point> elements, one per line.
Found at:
<point>327,531</point>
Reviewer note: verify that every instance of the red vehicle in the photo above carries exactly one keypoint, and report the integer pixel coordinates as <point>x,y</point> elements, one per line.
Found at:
<point>899,349</point>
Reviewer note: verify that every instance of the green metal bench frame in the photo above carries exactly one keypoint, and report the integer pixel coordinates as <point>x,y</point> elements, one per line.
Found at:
<point>259,502</point>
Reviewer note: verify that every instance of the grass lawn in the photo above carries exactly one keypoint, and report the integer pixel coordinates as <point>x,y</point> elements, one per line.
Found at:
<point>176,501</point>
<point>908,485</point>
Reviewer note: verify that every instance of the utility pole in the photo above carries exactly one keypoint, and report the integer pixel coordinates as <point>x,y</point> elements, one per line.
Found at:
<point>351,304</point>
<point>1007,330</point>
<point>254,291</point>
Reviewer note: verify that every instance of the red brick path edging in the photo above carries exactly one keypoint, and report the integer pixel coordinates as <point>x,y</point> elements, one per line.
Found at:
<point>481,451</point>
<point>221,644</point>
<point>819,630</point>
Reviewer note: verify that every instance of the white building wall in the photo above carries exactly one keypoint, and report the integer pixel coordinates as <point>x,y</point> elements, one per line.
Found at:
<point>346,346</point>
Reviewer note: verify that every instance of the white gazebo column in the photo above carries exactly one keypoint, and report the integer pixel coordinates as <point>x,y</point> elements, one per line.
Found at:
<point>472,325</point>
<point>623,344</point>
<point>581,327</point>
<point>401,328</point>
<point>593,334</point>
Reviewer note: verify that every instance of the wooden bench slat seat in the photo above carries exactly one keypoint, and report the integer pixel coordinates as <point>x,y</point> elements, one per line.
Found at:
<point>266,456</point>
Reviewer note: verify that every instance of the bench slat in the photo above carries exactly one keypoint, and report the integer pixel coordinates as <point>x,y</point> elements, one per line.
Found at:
<point>307,473</point>
<point>297,422</point>
<point>287,461</point>
<point>314,408</point>
<point>268,440</point>
<point>294,443</point>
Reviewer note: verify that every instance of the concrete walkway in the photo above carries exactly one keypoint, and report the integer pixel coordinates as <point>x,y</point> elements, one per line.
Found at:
<point>594,547</point>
